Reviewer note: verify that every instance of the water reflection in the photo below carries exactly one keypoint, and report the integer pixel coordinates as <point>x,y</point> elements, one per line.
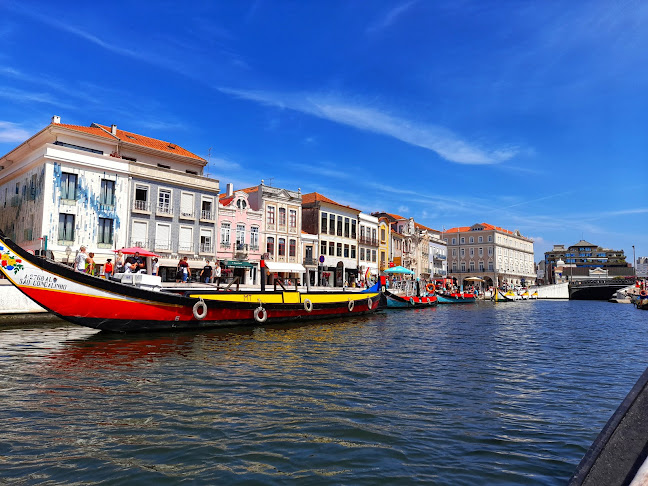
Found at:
<point>487,394</point>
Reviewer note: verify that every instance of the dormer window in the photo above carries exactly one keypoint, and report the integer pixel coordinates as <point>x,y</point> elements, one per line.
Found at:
<point>241,204</point>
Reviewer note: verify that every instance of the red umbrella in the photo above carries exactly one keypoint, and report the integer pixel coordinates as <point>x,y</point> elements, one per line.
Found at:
<point>136,249</point>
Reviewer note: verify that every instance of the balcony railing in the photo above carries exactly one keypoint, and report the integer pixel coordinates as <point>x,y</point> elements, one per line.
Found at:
<point>241,250</point>
<point>141,205</point>
<point>225,245</point>
<point>185,247</point>
<point>165,209</point>
<point>187,213</point>
<point>254,247</point>
<point>364,240</point>
<point>163,245</point>
<point>206,248</point>
<point>141,242</point>
<point>206,215</point>
<point>310,261</point>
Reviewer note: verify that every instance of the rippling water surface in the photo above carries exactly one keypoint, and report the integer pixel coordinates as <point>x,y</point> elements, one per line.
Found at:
<point>511,393</point>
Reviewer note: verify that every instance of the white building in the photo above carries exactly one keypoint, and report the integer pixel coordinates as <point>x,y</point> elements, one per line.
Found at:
<point>368,244</point>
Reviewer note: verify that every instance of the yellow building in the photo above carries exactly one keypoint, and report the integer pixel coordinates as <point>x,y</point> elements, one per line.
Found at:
<point>383,244</point>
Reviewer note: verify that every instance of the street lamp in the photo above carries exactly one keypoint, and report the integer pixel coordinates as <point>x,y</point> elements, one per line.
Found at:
<point>68,252</point>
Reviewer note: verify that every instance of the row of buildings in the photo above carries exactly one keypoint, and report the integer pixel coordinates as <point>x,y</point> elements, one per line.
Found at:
<point>106,188</point>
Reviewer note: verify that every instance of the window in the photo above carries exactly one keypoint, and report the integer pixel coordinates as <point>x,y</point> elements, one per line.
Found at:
<point>462,252</point>
<point>480,239</point>
<point>382,235</point>
<point>353,251</point>
<point>68,186</point>
<point>490,251</point>
<point>271,215</point>
<point>462,240</point>
<point>346,251</point>
<point>481,252</point>
<point>373,236</point>
<point>472,252</point>
<point>282,216</point>
<point>107,195</point>
<point>347,228</point>
<point>331,248</point>
<point>225,233</point>
<point>270,245</point>
<point>331,224</point>
<point>164,201</point>
<point>353,229</point>
<point>205,241</point>
<point>490,238</point>
<point>141,198</point>
<point>254,237</point>
<point>163,166</point>
<point>454,241</point>
<point>463,266</point>
<point>454,252</point>
<point>292,218</point>
<point>187,205</point>
<point>339,249</point>
<point>471,240</point>
<point>481,266</point>
<point>292,247</point>
<point>66,227</point>
<point>105,231</point>
<point>323,228</point>
<point>240,236</point>
<point>206,209</point>
<point>490,266</point>
<point>339,225</point>
<point>282,246</point>
<point>241,204</point>
<point>362,254</point>
<point>323,248</point>
<point>373,256</point>
<point>472,266</point>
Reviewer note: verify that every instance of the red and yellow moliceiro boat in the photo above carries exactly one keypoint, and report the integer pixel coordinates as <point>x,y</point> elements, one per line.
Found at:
<point>109,305</point>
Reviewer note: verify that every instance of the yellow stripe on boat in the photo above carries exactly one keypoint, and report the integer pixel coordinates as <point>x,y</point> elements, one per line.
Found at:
<point>286,297</point>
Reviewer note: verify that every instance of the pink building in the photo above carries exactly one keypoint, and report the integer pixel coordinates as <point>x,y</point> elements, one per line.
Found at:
<point>240,226</point>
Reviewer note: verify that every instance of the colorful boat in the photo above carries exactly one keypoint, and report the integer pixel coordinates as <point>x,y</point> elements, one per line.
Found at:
<point>456,298</point>
<point>109,305</point>
<point>500,296</point>
<point>408,294</point>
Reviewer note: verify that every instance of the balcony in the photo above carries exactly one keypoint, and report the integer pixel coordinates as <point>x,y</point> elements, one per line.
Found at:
<point>164,210</point>
<point>185,248</point>
<point>206,215</point>
<point>241,251</point>
<point>206,248</point>
<point>364,240</point>
<point>187,214</point>
<point>143,206</point>
<point>162,245</point>
<point>140,242</point>
<point>310,261</point>
<point>439,256</point>
<point>225,245</point>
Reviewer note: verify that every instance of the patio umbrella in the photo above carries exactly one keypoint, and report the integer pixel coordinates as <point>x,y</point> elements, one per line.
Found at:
<point>399,269</point>
<point>136,249</point>
<point>476,279</point>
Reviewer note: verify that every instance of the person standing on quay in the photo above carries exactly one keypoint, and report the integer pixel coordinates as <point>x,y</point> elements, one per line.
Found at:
<point>108,268</point>
<point>80,260</point>
<point>183,270</point>
<point>156,267</point>
<point>206,273</point>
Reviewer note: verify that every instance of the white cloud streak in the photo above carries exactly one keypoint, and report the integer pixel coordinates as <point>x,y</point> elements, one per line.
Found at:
<point>390,18</point>
<point>431,137</point>
<point>10,132</point>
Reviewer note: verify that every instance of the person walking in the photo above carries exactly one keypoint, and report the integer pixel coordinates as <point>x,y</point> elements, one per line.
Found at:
<point>90,264</point>
<point>217,274</point>
<point>183,270</point>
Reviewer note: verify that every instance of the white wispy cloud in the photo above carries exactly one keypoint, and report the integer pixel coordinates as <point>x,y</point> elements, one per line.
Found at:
<point>435,138</point>
<point>390,17</point>
<point>17,95</point>
<point>10,132</point>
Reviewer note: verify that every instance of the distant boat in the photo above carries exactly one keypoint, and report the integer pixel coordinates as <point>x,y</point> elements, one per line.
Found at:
<point>109,305</point>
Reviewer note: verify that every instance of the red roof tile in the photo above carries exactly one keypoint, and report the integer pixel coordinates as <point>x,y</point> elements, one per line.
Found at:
<point>92,130</point>
<point>462,229</point>
<point>315,196</point>
<point>136,139</point>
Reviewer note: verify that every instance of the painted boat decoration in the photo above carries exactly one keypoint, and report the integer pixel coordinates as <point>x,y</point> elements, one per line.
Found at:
<point>457,298</point>
<point>395,301</point>
<point>500,296</point>
<point>109,305</point>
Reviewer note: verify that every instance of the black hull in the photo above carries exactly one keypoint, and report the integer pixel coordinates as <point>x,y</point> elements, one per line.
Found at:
<point>598,292</point>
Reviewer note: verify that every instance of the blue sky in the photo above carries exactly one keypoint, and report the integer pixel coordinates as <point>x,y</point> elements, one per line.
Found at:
<point>525,115</point>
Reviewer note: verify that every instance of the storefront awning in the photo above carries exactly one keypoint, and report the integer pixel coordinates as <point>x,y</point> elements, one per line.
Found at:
<point>285,267</point>
<point>238,264</point>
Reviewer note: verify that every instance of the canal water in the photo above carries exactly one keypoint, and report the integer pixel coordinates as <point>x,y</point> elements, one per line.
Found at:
<point>508,393</point>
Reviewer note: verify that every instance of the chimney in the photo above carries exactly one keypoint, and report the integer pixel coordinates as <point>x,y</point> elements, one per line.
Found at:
<point>56,119</point>
<point>113,129</point>
<point>230,189</point>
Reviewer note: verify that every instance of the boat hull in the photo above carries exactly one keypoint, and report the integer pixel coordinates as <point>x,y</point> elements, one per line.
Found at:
<point>394,301</point>
<point>104,304</point>
<point>456,299</point>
